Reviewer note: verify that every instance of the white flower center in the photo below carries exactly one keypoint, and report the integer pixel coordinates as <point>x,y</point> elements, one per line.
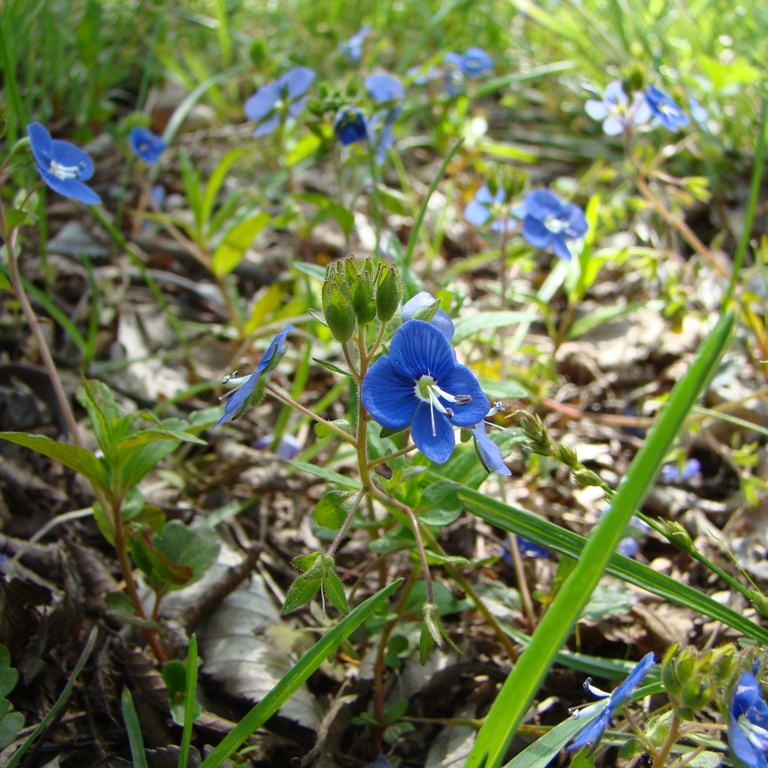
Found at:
<point>427,391</point>
<point>555,225</point>
<point>65,171</point>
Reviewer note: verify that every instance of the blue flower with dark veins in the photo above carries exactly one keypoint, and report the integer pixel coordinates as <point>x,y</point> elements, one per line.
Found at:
<point>421,301</point>
<point>350,125</point>
<point>593,732</point>
<point>63,166</point>
<point>352,49</point>
<point>547,220</point>
<point>420,385</point>
<point>146,145</point>
<point>486,206</point>
<point>615,110</point>
<point>473,63</point>
<point>665,111</point>
<point>748,723</point>
<point>239,399</point>
<point>384,88</point>
<point>284,96</point>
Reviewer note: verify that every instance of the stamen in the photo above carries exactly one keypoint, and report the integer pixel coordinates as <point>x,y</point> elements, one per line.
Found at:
<point>65,171</point>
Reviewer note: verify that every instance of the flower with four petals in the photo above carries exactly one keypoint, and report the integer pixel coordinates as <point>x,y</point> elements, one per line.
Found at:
<point>420,385</point>
<point>593,732</point>
<point>615,110</point>
<point>63,166</point>
<point>239,399</point>
<point>547,220</point>
<point>472,63</point>
<point>284,96</point>
<point>664,110</point>
<point>748,723</point>
<point>145,145</point>
<point>486,206</point>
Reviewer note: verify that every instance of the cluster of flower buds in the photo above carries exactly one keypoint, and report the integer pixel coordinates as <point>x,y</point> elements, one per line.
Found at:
<point>356,293</point>
<point>692,678</point>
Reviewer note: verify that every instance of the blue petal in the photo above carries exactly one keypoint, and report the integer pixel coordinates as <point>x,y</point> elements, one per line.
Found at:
<point>490,453</point>
<point>146,145</point>
<point>560,247</point>
<point>262,102</point>
<point>461,381</point>
<point>438,446</point>
<point>542,203</point>
<point>65,153</point>
<point>475,61</point>
<point>614,94</point>
<point>536,233</point>
<point>239,400</point>
<point>383,87</point>
<point>596,109</point>
<point>419,349</point>
<point>41,144</point>
<point>612,126</point>
<point>440,320</point>
<point>350,125</point>
<point>592,733</point>
<point>388,396</point>
<point>71,188</point>
<point>476,213</point>
<point>296,82</point>
<point>621,695</point>
<point>268,126</point>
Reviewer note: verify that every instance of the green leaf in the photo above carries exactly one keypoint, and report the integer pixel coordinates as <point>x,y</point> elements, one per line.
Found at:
<point>236,242</point>
<point>302,590</point>
<point>488,321</point>
<point>332,509</point>
<point>334,590</point>
<point>305,147</point>
<point>215,183</point>
<point>10,722</point>
<point>327,474</point>
<point>175,677</point>
<point>133,729</point>
<point>80,460</point>
<point>8,675</point>
<point>439,504</point>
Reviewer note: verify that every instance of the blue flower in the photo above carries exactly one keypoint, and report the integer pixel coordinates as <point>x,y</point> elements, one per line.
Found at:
<point>383,140</point>
<point>748,723</point>
<point>486,206</point>
<point>420,385</point>
<point>63,166</point>
<point>593,732</point>
<point>267,105</point>
<point>672,473</point>
<point>384,88</point>
<point>146,145</point>
<point>472,63</point>
<point>549,221</point>
<point>490,453</point>
<point>665,111</point>
<point>421,301</point>
<point>532,550</point>
<point>615,111</point>
<point>352,49</point>
<point>698,113</point>
<point>350,126</point>
<point>288,448</point>
<point>238,399</point>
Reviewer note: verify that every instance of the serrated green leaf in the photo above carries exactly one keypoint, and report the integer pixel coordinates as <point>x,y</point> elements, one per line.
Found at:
<point>80,460</point>
<point>236,242</point>
<point>334,591</point>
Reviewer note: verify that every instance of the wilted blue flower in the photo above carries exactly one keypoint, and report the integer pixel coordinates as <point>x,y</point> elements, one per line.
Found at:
<point>350,126</point>
<point>383,140</point>
<point>440,319</point>
<point>352,49</point>
<point>615,110</point>
<point>288,448</point>
<point>593,732</point>
<point>665,111</point>
<point>384,88</point>
<point>146,145</point>
<point>472,63</point>
<point>420,385</point>
<point>266,106</point>
<point>547,220</point>
<point>486,206</point>
<point>238,399</point>
<point>748,723</point>
<point>63,166</point>
<point>672,473</point>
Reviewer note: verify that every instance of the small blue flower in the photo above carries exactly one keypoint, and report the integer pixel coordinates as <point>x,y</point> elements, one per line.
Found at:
<point>267,105</point>
<point>748,723</point>
<point>530,549</point>
<point>672,473</point>
<point>440,319</point>
<point>384,88</point>
<point>486,206</point>
<point>350,125</point>
<point>63,166</point>
<point>420,385</point>
<point>146,145</point>
<point>383,140</point>
<point>665,111</point>
<point>239,398</point>
<point>490,453</point>
<point>473,63</point>
<point>593,732</point>
<point>547,220</point>
<point>352,49</point>
<point>615,111</point>
<point>288,448</point>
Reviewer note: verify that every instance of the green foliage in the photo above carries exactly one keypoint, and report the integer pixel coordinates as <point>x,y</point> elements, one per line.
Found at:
<point>176,681</point>
<point>319,574</point>
<point>10,722</point>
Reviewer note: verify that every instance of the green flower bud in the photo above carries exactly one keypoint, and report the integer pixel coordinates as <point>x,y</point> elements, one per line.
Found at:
<point>669,677</point>
<point>722,661</point>
<point>678,535</point>
<point>686,664</point>
<point>362,300</point>
<point>696,694</point>
<point>389,293</point>
<point>338,311</point>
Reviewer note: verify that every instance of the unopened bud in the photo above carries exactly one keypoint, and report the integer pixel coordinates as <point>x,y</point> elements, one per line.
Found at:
<point>389,293</point>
